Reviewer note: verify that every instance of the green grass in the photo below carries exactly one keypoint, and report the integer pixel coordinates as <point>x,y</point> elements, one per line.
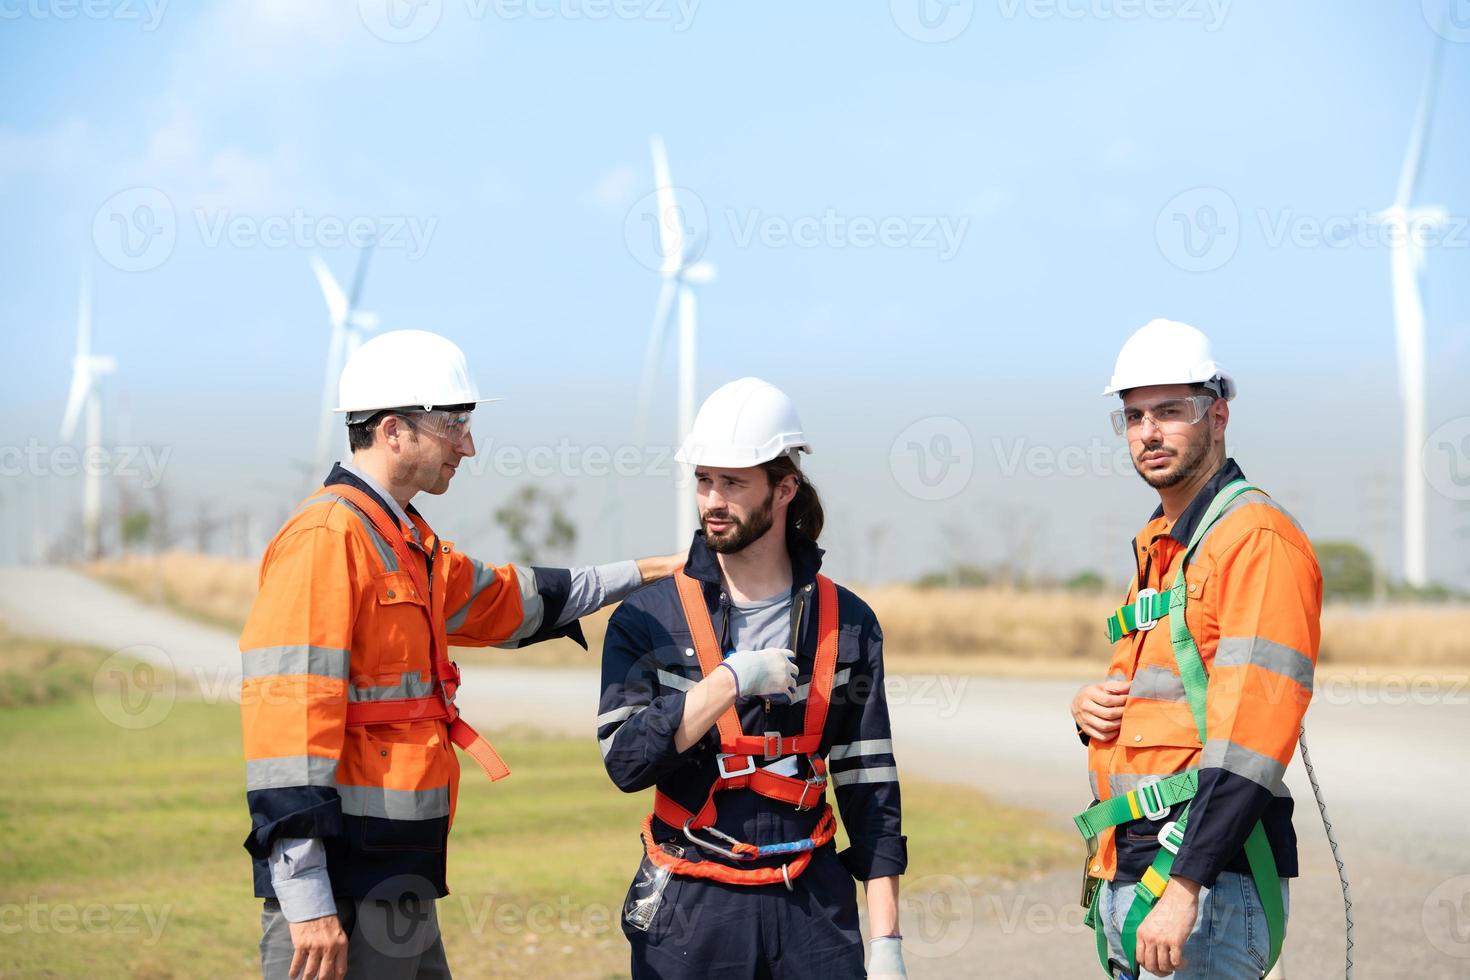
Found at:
<point>122,848</point>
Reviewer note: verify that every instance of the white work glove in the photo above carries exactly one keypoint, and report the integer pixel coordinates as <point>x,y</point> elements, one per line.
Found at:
<point>763,673</point>
<point>885,961</point>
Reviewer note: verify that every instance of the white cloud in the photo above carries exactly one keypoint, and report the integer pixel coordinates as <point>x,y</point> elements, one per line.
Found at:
<point>63,146</point>
<point>614,191</point>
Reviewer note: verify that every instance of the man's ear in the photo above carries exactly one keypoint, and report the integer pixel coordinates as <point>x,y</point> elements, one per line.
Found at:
<point>789,485</point>
<point>1219,415</point>
<point>391,429</point>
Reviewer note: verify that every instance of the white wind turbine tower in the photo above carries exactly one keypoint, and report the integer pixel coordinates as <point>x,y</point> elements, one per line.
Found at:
<point>349,324</point>
<point>681,272</point>
<point>86,371</point>
<point>1407,223</point>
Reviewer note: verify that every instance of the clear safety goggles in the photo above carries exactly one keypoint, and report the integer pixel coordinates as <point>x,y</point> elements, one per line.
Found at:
<point>1163,413</point>
<point>451,426</point>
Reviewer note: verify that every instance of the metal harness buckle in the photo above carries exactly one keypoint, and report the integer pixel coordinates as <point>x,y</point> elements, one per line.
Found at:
<point>1151,799</point>
<point>766,747</point>
<point>1144,622</point>
<point>727,774</point>
<point>814,782</point>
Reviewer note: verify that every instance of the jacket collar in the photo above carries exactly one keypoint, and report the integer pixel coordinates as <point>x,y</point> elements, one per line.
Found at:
<point>806,560</point>
<point>341,474</point>
<point>1183,528</point>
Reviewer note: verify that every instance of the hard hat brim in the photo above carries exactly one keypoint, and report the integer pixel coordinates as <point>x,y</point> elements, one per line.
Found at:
<point>386,408</point>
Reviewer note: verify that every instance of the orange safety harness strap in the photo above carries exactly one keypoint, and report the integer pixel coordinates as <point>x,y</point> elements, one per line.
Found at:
<point>438,706</point>
<point>738,749</point>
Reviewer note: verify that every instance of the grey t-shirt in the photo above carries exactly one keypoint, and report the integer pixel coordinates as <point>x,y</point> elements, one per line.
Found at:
<point>761,624</point>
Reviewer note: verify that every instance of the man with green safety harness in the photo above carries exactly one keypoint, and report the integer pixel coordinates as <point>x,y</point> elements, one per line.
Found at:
<point>1188,739</point>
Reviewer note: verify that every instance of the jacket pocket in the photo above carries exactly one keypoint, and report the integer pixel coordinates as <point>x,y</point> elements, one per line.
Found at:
<point>1149,723</point>
<point>402,792</point>
<point>395,633</point>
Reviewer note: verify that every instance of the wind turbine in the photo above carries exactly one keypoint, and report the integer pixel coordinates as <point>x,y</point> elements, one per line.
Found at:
<point>681,271</point>
<point>1406,264</point>
<point>86,371</point>
<point>349,324</point>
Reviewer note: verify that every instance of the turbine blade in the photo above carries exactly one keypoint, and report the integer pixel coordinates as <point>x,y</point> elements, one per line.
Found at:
<point>331,292</point>
<point>652,356</point>
<point>699,274</point>
<point>361,276</point>
<point>81,365</point>
<point>670,219</point>
<point>1419,139</point>
<point>75,398</point>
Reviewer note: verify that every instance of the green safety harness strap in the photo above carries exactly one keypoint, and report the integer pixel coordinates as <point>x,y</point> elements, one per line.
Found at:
<point>1153,796</point>
<point>1142,613</point>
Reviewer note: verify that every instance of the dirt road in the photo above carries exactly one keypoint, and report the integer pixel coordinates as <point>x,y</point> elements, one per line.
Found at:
<point>1390,758</point>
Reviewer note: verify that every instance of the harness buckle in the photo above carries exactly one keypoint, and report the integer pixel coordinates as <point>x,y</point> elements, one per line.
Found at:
<point>1141,610</point>
<point>1150,798</point>
<point>766,749</point>
<point>1170,837</point>
<point>727,774</point>
<point>815,782</point>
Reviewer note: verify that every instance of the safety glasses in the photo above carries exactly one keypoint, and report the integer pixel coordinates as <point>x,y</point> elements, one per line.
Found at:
<point>451,426</point>
<point>1163,413</point>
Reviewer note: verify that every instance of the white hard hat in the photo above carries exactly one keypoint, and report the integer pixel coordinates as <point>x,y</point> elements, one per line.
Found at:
<point>1167,352</point>
<point>403,369</point>
<point>744,423</point>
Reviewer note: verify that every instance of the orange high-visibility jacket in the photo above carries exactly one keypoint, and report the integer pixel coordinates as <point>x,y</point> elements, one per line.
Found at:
<point>344,632</point>
<point>1254,609</point>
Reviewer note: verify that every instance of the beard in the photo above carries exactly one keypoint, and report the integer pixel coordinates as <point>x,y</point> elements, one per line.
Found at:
<point>741,534</point>
<point>1187,462</point>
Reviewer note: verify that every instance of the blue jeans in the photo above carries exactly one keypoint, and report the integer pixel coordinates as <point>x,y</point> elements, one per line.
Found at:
<point>1229,940</point>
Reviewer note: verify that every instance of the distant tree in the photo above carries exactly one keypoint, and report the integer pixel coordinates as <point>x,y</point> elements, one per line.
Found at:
<point>536,524</point>
<point>136,526</point>
<point>1086,581</point>
<point>958,576</point>
<point>1347,570</point>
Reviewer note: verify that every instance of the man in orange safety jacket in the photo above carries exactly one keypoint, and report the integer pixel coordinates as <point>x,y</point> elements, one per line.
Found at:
<point>1189,738</point>
<point>348,692</point>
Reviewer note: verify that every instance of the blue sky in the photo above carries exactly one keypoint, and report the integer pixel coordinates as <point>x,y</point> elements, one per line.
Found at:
<point>1054,142</point>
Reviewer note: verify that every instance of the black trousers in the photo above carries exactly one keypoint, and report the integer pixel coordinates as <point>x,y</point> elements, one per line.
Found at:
<point>706,930</point>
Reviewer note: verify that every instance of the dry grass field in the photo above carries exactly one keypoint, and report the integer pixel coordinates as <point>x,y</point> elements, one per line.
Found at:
<point>989,630</point>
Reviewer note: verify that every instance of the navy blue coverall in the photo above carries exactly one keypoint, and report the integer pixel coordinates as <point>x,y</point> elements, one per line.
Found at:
<point>709,929</point>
